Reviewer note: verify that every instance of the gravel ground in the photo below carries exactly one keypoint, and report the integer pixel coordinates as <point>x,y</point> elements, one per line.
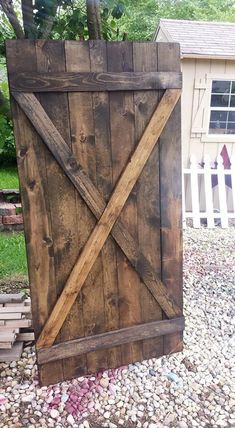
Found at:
<point>195,388</point>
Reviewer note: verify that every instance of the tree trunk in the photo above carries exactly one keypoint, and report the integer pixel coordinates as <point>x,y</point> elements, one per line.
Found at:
<point>30,28</point>
<point>8,9</point>
<point>94,19</point>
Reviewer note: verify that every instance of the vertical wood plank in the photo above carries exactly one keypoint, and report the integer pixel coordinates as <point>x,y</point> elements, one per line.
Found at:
<point>84,148</point>
<point>171,195</point>
<point>232,160</point>
<point>31,158</point>
<point>120,58</point>
<point>222,193</point>
<point>145,59</point>
<point>62,197</point>
<point>195,192</point>
<point>98,59</point>
<point>208,193</point>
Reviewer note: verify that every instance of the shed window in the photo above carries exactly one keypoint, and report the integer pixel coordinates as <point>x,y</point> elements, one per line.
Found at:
<point>222,107</point>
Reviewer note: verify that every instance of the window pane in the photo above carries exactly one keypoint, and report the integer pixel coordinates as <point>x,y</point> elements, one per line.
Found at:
<point>233,87</point>
<point>232,102</point>
<point>218,115</point>
<point>231,128</point>
<point>221,86</point>
<point>217,127</point>
<point>219,100</point>
<point>231,116</point>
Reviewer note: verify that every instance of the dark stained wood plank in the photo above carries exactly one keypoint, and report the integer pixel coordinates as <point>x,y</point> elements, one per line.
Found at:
<point>171,194</point>
<point>84,149</point>
<point>95,81</point>
<point>98,60</point>
<point>62,198</point>
<point>105,340</point>
<point>31,161</point>
<point>94,200</point>
<point>122,125</point>
<point>145,59</point>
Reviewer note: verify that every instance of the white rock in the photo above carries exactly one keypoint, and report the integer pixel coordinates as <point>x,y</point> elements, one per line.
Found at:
<point>107,415</point>
<point>54,413</point>
<point>104,382</point>
<point>182,424</point>
<point>70,420</point>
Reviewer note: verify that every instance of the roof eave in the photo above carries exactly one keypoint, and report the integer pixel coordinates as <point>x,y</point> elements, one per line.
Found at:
<point>207,56</point>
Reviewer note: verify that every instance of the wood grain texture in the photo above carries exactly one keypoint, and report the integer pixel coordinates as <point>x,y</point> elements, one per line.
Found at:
<point>93,81</point>
<point>90,137</point>
<point>94,200</point>
<point>31,160</point>
<point>145,58</point>
<point>104,170</point>
<point>84,149</point>
<point>112,211</point>
<point>61,195</point>
<point>171,195</point>
<point>105,340</point>
<point>120,59</point>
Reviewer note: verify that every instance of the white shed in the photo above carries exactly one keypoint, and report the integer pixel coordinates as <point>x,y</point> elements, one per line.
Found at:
<point>208,97</point>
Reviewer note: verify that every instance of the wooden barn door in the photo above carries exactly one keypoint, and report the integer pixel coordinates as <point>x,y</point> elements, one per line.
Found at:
<point>97,129</point>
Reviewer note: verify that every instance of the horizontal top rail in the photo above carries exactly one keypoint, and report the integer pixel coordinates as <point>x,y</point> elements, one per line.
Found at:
<point>86,82</point>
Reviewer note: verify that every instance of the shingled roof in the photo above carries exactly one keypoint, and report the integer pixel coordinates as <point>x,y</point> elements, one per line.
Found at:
<point>200,38</point>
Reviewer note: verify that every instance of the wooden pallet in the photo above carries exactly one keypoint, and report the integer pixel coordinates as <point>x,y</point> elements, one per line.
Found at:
<point>15,314</point>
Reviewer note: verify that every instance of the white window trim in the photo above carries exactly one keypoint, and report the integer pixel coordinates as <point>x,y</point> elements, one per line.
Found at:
<point>214,138</point>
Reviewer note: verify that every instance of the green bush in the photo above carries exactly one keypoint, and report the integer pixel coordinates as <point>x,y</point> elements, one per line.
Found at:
<point>7,144</point>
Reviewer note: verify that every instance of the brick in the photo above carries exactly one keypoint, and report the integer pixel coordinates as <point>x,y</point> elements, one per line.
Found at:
<point>12,219</point>
<point>7,209</point>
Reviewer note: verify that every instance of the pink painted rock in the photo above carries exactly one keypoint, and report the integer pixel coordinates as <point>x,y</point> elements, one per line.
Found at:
<point>56,400</point>
<point>99,389</point>
<point>69,408</point>
<point>73,397</point>
<point>3,399</point>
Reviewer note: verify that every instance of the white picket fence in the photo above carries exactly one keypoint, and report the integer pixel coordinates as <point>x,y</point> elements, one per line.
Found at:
<point>204,205</point>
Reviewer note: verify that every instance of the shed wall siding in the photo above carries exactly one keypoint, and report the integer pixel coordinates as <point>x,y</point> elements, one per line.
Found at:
<point>195,107</point>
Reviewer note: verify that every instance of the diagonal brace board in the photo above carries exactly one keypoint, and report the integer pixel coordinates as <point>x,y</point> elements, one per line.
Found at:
<point>64,156</point>
<point>113,209</point>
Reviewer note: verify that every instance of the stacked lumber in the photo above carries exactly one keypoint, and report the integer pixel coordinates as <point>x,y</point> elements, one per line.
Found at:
<point>15,319</point>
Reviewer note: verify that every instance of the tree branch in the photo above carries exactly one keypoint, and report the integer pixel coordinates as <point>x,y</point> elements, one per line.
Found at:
<point>7,7</point>
<point>30,28</point>
<point>94,19</point>
<point>48,22</point>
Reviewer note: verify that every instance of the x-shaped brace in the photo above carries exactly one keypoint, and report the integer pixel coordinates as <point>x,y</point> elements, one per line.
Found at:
<point>107,215</point>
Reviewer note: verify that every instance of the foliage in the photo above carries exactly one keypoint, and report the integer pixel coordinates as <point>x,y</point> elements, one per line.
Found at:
<point>67,19</point>
<point>71,20</point>
<point>9,178</point>
<point>7,146</point>
<point>13,255</point>
<point>142,16</point>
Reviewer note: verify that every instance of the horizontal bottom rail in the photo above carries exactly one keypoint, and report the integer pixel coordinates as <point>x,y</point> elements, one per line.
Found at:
<point>83,345</point>
<point>188,214</point>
